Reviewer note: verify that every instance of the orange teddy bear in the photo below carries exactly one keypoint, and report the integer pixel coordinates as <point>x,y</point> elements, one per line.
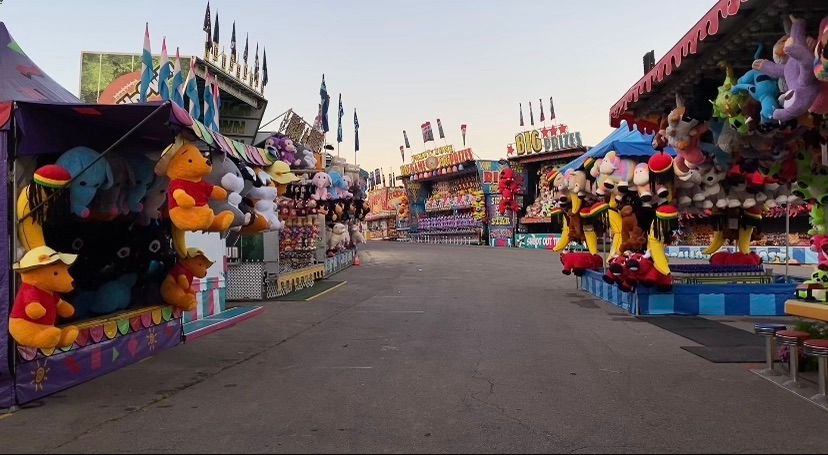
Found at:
<point>188,194</point>
<point>37,305</point>
<point>177,290</point>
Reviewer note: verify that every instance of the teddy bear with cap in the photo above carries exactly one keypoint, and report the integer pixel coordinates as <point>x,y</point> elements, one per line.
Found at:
<point>177,288</point>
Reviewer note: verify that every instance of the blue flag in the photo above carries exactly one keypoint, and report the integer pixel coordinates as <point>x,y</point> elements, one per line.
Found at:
<point>177,81</point>
<point>326,101</point>
<point>191,88</point>
<point>356,132</point>
<point>164,73</point>
<point>340,114</point>
<point>210,114</point>
<point>146,67</point>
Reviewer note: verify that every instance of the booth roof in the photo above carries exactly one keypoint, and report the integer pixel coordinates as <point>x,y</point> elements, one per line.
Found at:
<point>22,80</point>
<point>628,143</point>
<point>46,128</point>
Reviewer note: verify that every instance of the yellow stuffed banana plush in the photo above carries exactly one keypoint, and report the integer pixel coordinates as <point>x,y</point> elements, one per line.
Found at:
<point>717,242</point>
<point>658,254</point>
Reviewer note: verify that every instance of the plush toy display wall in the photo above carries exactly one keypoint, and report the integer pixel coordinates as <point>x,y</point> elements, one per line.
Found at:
<point>751,157</point>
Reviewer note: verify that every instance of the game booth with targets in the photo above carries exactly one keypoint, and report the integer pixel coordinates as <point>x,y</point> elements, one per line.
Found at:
<point>453,199</point>
<point>535,157</point>
<point>731,142</point>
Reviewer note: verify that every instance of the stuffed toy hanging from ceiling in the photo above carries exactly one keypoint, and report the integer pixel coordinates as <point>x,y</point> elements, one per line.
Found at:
<point>90,173</point>
<point>188,193</point>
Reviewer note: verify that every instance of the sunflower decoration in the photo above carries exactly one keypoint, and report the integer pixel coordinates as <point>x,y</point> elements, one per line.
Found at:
<point>41,375</point>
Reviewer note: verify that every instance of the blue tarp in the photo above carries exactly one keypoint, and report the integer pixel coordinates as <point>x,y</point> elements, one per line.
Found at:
<point>627,143</point>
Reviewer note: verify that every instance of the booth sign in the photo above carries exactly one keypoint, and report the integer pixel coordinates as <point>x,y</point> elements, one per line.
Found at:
<point>546,140</point>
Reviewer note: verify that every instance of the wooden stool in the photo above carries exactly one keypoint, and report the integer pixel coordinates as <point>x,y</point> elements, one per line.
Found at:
<point>793,339</point>
<point>819,349</point>
<point>769,332</point>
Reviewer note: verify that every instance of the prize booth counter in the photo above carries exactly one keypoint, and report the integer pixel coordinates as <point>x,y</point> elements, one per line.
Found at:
<point>448,193</point>
<point>383,220</point>
<point>535,157</point>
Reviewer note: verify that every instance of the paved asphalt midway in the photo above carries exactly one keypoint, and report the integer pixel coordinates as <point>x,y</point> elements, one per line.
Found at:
<point>429,349</point>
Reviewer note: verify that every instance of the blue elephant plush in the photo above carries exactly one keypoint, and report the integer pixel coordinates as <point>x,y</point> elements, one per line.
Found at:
<point>336,184</point>
<point>763,89</point>
<point>112,296</point>
<point>88,176</point>
<point>143,173</point>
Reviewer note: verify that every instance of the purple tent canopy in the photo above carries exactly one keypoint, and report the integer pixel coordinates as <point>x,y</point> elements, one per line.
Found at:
<point>22,80</point>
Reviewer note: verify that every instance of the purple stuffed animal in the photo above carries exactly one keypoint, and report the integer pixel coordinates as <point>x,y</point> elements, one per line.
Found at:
<point>288,152</point>
<point>803,86</point>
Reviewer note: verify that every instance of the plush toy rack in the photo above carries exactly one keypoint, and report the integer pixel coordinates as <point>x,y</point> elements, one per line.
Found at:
<point>456,204</point>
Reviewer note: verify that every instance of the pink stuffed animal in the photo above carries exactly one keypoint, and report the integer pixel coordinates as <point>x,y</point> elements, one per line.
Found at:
<point>322,182</point>
<point>685,136</point>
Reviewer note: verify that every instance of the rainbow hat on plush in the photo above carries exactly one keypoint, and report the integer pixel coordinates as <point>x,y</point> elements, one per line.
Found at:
<point>52,176</point>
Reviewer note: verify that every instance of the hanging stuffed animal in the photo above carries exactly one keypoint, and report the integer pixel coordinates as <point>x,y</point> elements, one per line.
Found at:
<point>508,187</point>
<point>641,179</point>
<point>226,174</point>
<point>287,152</point>
<point>47,185</point>
<point>111,202</point>
<point>345,186</point>
<point>177,288</point>
<point>803,87</point>
<point>110,297</point>
<point>90,174</point>
<point>322,182</point>
<point>684,135</point>
<point>821,51</point>
<point>143,177</point>
<point>762,88</point>
<point>265,201</point>
<point>188,194</point>
<point>154,200</point>
<point>37,306</point>
<point>336,184</point>
<point>730,106</point>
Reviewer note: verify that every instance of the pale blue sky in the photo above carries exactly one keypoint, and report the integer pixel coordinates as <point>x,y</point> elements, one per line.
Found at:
<point>400,63</point>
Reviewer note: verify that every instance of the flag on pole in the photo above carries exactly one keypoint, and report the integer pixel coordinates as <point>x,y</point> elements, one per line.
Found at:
<point>164,73</point>
<point>521,114</point>
<point>428,134</point>
<point>407,144</point>
<point>326,101</point>
<point>402,153</point>
<point>216,31</point>
<point>531,115</point>
<point>356,132</point>
<point>339,114</point>
<point>147,71</point>
<point>463,132</point>
<point>551,110</point>
<point>216,104</point>
<point>233,57</point>
<point>542,119</point>
<point>177,81</point>
<point>244,54</point>
<point>256,62</point>
<point>209,102</point>
<point>264,67</point>
<point>207,28</point>
<point>191,88</point>
<point>440,129</point>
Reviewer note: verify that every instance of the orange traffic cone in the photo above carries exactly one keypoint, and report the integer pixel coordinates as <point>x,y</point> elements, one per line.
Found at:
<point>356,260</point>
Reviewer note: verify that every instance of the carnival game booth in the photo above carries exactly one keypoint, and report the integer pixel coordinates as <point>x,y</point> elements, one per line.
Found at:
<point>750,138</point>
<point>450,197</point>
<point>386,213</point>
<point>107,220</point>
<point>535,157</point>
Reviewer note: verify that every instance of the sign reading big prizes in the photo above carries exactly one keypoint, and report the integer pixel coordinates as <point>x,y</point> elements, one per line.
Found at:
<point>544,141</point>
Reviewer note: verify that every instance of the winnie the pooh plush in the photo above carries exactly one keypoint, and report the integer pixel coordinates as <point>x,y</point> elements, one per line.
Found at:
<point>176,290</point>
<point>37,305</point>
<point>188,194</point>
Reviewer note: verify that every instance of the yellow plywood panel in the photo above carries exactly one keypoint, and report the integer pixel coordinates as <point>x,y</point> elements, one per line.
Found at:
<point>807,310</point>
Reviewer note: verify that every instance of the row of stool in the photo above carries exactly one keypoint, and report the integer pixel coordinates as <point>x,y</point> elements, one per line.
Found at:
<point>795,340</point>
